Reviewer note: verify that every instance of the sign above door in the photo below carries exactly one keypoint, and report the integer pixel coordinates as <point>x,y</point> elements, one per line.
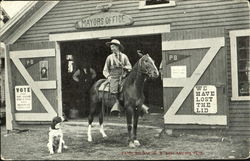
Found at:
<point>104,19</point>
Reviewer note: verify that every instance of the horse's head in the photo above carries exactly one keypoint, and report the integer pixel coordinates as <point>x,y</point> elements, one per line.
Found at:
<point>147,66</point>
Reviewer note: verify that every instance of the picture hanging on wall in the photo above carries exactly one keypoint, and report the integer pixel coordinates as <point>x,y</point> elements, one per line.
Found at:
<point>43,66</point>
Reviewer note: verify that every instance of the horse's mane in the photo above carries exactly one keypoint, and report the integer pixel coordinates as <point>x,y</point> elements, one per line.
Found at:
<point>132,75</point>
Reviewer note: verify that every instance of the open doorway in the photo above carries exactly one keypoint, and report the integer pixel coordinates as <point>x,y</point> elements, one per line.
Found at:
<point>95,53</point>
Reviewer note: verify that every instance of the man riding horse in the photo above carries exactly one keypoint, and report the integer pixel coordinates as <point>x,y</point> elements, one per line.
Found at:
<point>117,66</point>
<point>131,97</point>
<point>115,69</point>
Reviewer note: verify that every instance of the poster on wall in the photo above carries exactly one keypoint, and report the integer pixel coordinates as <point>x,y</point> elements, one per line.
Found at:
<point>23,98</point>
<point>43,66</point>
<point>69,58</point>
<point>178,71</point>
<point>205,99</point>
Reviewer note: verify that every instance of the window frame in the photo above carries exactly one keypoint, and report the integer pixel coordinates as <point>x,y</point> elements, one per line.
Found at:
<point>142,4</point>
<point>234,63</point>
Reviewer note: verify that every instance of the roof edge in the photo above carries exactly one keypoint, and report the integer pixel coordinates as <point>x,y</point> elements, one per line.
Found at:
<point>6,14</point>
<point>18,15</point>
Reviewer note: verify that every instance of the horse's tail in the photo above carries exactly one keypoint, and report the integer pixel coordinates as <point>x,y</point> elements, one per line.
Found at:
<point>94,92</point>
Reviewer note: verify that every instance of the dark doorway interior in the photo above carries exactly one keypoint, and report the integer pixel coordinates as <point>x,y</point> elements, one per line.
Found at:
<point>95,52</point>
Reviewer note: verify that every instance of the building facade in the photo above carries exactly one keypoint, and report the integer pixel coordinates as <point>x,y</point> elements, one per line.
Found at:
<point>4,17</point>
<point>203,47</point>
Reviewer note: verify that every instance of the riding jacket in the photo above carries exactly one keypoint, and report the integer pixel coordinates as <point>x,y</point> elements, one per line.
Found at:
<point>115,66</point>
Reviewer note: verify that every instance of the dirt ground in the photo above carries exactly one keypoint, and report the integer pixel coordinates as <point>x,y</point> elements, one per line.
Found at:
<point>31,144</point>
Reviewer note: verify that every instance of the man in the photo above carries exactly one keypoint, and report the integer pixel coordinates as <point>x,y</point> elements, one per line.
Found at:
<point>85,75</point>
<point>116,67</point>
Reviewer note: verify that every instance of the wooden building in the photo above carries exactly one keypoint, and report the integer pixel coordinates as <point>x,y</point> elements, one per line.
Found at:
<point>4,17</point>
<point>203,46</point>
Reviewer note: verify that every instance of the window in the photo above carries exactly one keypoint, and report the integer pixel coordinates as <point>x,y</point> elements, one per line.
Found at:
<point>240,64</point>
<point>145,4</point>
<point>154,2</point>
<point>243,65</point>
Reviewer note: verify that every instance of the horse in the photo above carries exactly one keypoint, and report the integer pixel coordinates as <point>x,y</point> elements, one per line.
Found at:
<point>131,97</point>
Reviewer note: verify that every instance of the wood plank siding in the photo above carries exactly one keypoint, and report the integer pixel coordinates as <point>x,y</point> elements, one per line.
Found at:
<point>186,15</point>
<point>43,94</point>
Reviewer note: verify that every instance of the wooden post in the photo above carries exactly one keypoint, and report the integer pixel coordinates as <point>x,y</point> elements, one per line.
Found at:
<point>9,92</point>
<point>59,83</point>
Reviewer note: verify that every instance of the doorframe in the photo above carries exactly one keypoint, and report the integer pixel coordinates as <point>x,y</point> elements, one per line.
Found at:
<point>8,93</point>
<point>99,34</point>
<point>107,33</point>
<point>59,78</point>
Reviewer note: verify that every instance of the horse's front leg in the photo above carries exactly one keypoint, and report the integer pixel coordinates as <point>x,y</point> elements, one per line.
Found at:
<point>129,116</point>
<point>90,120</point>
<point>135,123</point>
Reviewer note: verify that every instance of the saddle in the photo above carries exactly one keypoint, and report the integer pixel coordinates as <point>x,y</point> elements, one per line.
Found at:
<point>105,86</point>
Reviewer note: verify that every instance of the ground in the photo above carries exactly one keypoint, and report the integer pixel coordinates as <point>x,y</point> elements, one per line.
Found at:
<point>31,143</point>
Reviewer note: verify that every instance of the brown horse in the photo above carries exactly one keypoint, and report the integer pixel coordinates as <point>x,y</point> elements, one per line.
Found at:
<point>131,97</point>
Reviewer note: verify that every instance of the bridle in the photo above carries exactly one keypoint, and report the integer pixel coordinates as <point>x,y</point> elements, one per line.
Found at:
<point>139,69</point>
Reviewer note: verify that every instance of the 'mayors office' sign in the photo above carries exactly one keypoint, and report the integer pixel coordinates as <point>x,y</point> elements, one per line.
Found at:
<point>104,19</point>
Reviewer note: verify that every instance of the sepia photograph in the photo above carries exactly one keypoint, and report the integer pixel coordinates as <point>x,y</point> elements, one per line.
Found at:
<point>125,79</point>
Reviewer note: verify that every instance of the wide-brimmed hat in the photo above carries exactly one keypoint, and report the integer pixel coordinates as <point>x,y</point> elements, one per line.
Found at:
<point>115,42</point>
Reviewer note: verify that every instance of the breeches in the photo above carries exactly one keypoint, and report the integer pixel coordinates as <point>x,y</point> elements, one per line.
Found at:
<point>114,85</point>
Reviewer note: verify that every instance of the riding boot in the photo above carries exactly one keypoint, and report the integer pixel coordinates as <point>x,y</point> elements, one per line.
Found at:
<point>116,106</point>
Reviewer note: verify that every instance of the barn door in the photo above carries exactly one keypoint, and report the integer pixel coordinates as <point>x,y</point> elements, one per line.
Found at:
<point>35,81</point>
<point>194,78</point>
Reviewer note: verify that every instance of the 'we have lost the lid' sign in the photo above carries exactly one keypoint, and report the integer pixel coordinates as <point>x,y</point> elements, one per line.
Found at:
<point>205,99</point>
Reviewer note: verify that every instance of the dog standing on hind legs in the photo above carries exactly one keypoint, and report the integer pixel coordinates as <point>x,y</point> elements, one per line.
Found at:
<point>56,142</point>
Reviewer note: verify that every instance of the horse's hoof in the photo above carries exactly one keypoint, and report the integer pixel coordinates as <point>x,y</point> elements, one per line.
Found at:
<point>103,134</point>
<point>131,144</point>
<point>89,139</point>
<point>65,147</point>
<point>137,143</point>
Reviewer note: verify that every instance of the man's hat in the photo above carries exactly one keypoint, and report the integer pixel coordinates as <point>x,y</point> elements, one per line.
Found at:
<point>115,42</point>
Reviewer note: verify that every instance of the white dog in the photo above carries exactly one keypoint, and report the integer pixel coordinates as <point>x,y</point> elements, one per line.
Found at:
<point>56,142</point>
